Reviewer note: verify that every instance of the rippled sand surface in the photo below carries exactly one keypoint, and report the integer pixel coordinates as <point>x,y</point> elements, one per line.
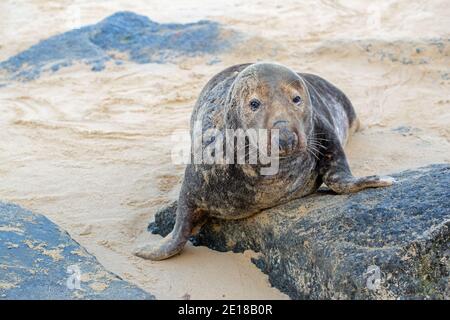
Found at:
<point>91,150</point>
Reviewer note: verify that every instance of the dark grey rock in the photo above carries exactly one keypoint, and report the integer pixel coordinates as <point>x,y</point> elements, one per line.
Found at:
<point>329,246</point>
<point>38,260</point>
<point>137,37</point>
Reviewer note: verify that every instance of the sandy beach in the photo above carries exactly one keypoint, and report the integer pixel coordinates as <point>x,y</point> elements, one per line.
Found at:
<point>92,150</point>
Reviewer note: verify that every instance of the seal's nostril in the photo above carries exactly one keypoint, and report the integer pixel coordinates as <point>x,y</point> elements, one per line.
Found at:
<point>279,122</point>
<point>292,139</point>
<point>288,140</point>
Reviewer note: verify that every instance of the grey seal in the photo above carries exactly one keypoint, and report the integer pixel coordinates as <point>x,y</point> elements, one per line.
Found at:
<point>314,120</point>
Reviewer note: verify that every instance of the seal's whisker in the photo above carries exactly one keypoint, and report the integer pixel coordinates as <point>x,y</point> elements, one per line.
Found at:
<point>314,148</point>
<point>311,152</point>
<point>316,144</point>
<point>317,138</point>
<point>314,151</point>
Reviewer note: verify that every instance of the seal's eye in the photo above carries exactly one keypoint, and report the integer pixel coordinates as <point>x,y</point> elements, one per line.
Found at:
<point>255,104</point>
<point>297,100</point>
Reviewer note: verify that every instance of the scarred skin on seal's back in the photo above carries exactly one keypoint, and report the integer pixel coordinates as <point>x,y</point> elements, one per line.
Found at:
<point>314,120</point>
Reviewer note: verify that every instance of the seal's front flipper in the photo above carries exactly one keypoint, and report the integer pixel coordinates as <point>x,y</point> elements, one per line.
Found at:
<point>341,182</point>
<point>173,243</point>
<point>168,247</point>
<point>336,173</point>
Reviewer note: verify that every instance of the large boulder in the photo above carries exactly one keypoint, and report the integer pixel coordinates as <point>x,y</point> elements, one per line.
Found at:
<point>38,260</point>
<point>123,36</point>
<point>387,243</point>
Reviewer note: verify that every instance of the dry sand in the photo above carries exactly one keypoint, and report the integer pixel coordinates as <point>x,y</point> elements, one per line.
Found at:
<point>91,150</point>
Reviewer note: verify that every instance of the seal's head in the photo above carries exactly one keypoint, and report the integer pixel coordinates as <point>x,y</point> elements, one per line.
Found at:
<point>271,96</point>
